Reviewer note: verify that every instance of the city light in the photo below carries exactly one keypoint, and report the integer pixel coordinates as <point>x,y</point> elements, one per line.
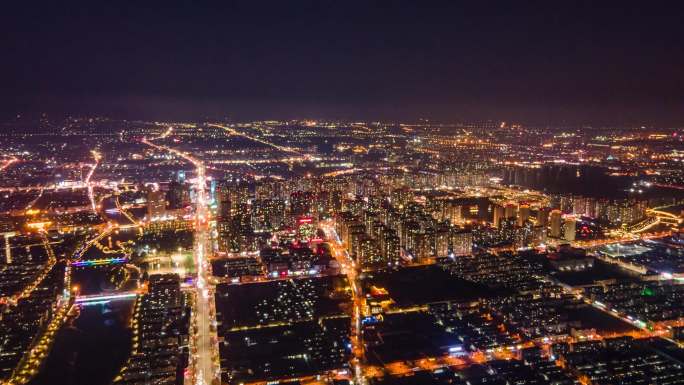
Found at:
<point>263,194</point>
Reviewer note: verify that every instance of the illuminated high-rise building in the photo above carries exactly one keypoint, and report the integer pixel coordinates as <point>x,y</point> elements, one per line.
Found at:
<point>270,188</point>
<point>178,195</point>
<point>232,198</point>
<point>591,209</point>
<point>566,203</point>
<point>461,242</point>
<point>442,240</point>
<point>626,212</point>
<point>368,253</point>
<point>389,247</point>
<point>8,247</point>
<point>579,205</point>
<point>302,203</point>
<point>156,204</point>
<point>499,215</point>
<point>523,214</point>
<point>453,212</point>
<point>570,230</point>
<point>556,218</point>
<point>424,246</point>
<point>543,217</point>
<point>268,214</point>
<point>511,210</point>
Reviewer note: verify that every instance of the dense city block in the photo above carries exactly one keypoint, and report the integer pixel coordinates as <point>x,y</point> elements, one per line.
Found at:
<point>327,252</point>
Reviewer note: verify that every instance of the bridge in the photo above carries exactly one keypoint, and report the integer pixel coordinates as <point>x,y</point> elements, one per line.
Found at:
<point>87,300</point>
<point>99,262</point>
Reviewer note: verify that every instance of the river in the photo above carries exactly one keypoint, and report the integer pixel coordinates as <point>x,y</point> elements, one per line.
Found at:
<point>93,346</point>
<point>91,349</point>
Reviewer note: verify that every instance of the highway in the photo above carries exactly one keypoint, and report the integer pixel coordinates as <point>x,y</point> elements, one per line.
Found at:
<point>205,356</point>
<point>5,164</point>
<point>350,270</point>
<point>232,131</point>
<point>206,341</point>
<point>91,193</point>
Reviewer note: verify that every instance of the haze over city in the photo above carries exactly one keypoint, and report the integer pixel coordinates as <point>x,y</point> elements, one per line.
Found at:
<point>616,62</point>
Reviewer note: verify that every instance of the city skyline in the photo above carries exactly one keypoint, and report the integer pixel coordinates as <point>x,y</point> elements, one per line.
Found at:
<point>339,253</point>
<point>342,193</point>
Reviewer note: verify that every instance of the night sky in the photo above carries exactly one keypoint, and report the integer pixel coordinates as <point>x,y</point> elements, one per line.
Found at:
<point>546,62</point>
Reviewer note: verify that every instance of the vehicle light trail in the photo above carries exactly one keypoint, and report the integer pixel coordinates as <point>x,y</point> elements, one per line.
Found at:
<point>91,193</point>
<point>166,133</point>
<point>204,344</point>
<point>34,200</point>
<point>233,131</point>
<point>5,165</point>
<point>349,269</point>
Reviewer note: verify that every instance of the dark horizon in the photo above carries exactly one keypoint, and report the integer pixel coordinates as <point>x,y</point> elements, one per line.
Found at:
<point>615,63</point>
